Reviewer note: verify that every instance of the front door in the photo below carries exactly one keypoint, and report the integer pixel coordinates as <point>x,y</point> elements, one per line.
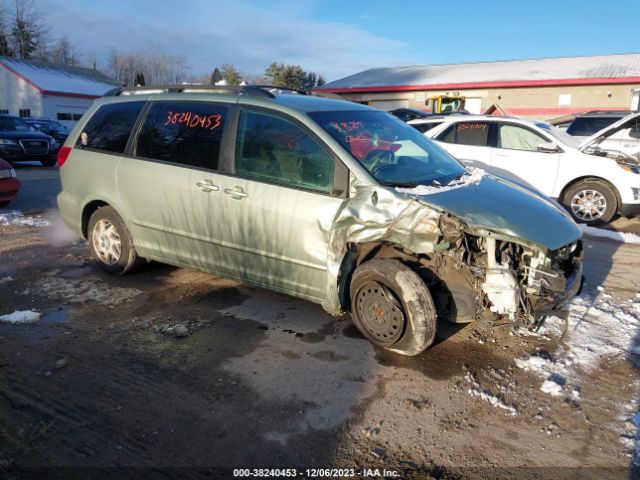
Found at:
<point>279,205</point>
<point>516,156</point>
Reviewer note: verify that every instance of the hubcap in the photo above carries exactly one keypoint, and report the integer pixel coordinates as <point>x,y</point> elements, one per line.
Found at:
<point>588,205</point>
<point>106,242</point>
<point>380,313</point>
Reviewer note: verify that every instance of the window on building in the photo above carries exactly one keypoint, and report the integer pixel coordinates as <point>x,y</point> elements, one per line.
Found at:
<point>467,133</point>
<point>275,150</point>
<point>110,126</point>
<point>4,112</point>
<point>69,116</point>
<point>24,112</point>
<point>187,133</point>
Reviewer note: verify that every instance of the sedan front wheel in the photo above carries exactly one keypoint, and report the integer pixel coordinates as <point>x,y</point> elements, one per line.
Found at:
<point>591,201</point>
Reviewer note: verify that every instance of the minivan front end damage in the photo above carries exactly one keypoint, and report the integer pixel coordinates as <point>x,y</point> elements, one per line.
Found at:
<point>469,268</point>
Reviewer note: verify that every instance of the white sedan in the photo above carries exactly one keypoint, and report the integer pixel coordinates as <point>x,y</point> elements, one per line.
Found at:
<point>592,183</point>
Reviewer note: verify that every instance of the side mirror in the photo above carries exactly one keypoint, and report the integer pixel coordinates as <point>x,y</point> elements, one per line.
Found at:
<point>548,147</point>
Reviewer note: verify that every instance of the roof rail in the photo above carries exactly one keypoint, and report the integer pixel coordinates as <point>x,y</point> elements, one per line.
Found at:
<point>265,91</point>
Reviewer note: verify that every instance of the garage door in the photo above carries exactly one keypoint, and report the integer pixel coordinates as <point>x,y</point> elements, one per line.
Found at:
<point>473,105</point>
<point>387,105</point>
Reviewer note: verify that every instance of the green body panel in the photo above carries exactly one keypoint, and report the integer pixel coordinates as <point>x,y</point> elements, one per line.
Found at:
<point>287,239</point>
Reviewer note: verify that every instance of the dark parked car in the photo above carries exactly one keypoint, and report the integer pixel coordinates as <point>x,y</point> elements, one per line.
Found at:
<point>586,124</point>
<point>50,127</point>
<point>9,183</point>
<point>406,114</point>
<point>19,142</point>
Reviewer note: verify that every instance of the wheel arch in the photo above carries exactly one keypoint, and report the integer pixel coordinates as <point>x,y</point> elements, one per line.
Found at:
<point>593,178</point>
<point>359,253</point>
<point>87,211</point>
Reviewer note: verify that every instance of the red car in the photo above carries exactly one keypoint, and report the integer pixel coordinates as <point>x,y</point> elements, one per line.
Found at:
<point>9,183</point>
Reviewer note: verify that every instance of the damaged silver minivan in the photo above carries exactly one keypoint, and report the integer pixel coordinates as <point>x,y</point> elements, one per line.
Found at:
<point>323,199</point>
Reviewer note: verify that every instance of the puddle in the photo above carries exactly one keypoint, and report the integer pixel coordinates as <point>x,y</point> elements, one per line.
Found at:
<point>43,329</point>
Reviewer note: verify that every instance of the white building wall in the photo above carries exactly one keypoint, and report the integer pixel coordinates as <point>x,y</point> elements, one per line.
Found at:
<point>54,105</point>
<point>16,94</point>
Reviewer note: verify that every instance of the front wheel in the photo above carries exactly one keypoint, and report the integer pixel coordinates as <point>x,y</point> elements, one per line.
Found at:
<point>392,307</point>
<point>110,242</point>
<point>591,201</point>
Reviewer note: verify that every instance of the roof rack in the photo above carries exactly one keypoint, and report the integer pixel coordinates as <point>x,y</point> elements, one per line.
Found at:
<point>265,91</point>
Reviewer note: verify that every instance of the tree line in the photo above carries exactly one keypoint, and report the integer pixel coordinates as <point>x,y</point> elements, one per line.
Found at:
<point>24,34</point>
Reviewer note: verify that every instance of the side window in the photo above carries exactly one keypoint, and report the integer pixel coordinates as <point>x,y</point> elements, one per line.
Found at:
<point>467,133</point>
<point>634,131</point>
<point>109,128</point>
<point>276,150</point>
<point>187,133</point>
<point>425,127</point>
<point>513,137</point>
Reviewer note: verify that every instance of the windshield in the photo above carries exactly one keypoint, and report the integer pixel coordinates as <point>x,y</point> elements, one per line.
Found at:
<point>9,124</point>
<point>558,134</point>
<point>393,152</point>
<point>587,126</point>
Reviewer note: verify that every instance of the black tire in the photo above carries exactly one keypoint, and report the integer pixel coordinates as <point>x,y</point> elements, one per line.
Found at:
<point>586,190</point>
<point>392,307</point>
<point>48,162</point>
<point>127,259</point>
<point>4,203</point>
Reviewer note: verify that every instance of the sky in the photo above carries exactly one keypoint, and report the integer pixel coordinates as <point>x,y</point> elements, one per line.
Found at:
<point>337,38</point>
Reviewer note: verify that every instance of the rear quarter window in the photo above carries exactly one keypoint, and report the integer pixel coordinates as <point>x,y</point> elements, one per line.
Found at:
<point>109,128</point>
<point>425,127</point>
<point>186,133</point>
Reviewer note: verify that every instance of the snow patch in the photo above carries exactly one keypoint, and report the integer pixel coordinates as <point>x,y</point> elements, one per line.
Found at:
<point>82,291</point>
<point>6,279</point>
<point>623,237</point>
<point>487,396</point>
<point>552,388</point>
<point>26,316</point>
<point>598,329</point>
<point>471,176</point>
<point>15,217</point>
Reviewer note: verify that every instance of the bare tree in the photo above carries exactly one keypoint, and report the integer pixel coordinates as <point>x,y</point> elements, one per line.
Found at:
<point>156,67</point>
<point>5,49</point>
<point>64,53</point>
<point>28,32</point>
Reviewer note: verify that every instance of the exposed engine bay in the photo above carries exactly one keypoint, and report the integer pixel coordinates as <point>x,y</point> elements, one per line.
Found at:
<point>512,280</point>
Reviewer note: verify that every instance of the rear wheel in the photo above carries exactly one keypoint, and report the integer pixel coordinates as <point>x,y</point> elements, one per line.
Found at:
<point>110,242</point>
<point>591,201</point>
<point>392,307</point>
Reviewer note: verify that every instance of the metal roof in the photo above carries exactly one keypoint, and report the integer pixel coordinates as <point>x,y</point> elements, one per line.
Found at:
<point>54,79</point>
<point>623,68</point>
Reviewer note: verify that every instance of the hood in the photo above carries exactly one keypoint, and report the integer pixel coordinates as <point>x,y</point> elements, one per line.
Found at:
<point>499,205</point>
<point>22,135</point>
<point>600,135</point>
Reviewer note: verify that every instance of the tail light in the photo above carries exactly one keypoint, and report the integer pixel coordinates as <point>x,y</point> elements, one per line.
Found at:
<point>63,154</point>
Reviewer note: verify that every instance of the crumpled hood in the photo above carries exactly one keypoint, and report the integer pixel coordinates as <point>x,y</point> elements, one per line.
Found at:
<point>497,204</point>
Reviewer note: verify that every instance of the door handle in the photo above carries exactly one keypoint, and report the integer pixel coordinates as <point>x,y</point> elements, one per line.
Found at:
<point>236,192</point>
<point>207,186</point>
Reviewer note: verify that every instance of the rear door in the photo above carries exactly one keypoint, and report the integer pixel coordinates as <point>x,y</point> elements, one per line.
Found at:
<point>469,142</point>
<point>170,184</point>
<point>279,204</point>
<point>516,156</point>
